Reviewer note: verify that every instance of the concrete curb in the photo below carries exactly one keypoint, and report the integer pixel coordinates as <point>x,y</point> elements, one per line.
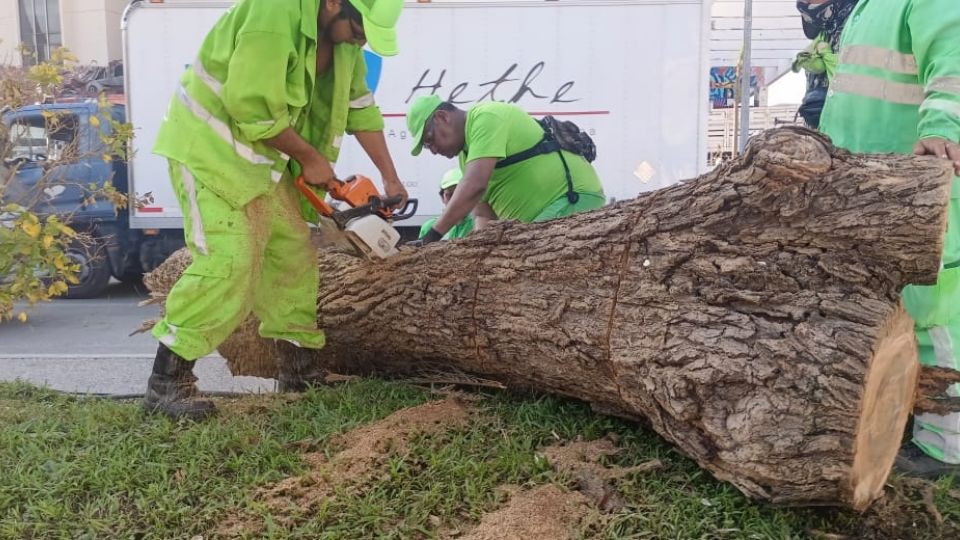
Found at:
<point>117,374</point>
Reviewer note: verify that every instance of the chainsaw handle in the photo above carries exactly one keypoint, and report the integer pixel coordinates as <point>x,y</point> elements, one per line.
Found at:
<point>311,195</point>
<point>388,202</point>
<point>406,213</point>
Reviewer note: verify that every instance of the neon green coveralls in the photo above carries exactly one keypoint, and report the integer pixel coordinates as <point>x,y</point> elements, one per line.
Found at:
<point>255,75</point>
<point>898,81</point>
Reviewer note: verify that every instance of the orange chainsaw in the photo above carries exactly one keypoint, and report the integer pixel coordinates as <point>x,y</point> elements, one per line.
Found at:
<point>367,223</point>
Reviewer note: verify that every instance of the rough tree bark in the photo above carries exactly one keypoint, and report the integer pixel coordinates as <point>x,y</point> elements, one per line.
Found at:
<point>752,315</point>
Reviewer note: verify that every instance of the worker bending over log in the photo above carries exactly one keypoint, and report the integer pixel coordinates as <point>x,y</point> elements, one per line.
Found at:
<point>510,169</point>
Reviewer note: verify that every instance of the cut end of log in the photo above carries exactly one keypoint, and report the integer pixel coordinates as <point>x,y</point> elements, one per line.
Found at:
<point>887,401</point>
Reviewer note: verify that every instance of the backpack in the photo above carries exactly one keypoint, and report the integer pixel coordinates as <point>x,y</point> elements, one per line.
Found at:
<point>558,135</point>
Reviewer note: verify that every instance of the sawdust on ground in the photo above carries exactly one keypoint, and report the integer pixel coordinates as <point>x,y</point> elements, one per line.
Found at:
<point>587,456</point>
<point>360,457</point>
<point>552,511</point>
<point>547,511</point>
<point>582,461</point>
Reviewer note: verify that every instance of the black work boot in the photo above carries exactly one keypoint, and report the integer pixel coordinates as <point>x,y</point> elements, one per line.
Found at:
<point>912,461</point>
<point>297,367</point>
<point>172,387</point>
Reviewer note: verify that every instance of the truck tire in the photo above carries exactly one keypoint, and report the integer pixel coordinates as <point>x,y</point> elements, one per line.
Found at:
<point>94,270</point>
<point>134,277</point>
<point>132,273</point>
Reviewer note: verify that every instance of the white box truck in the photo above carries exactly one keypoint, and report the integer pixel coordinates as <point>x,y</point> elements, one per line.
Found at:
<point>632,73</point>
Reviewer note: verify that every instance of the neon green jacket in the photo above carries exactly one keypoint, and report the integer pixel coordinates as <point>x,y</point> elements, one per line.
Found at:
<point>255,75</point>
<point>817,58</point>
<point>898,79</point>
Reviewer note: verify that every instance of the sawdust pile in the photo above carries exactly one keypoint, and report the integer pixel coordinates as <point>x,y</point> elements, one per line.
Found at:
<point>544,512</point>
<point>552,511</point>
<point>579,457</point>
<point>360,458</point>
<point>582,462</point>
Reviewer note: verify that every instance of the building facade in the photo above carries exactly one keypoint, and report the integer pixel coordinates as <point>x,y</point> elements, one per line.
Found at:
<point>89,28</point>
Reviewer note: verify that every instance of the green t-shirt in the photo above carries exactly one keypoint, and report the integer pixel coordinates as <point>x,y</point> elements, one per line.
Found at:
<point>522,190</point>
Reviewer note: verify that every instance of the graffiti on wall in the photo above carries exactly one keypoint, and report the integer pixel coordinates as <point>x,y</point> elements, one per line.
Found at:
<point>723,80</point>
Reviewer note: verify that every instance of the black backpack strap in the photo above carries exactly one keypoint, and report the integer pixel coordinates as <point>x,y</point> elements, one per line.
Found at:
<point>572,196</point>
<point>548,144</point>
<point>545,146</point>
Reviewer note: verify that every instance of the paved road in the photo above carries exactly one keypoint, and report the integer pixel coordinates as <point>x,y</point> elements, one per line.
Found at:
<point>84,346</point>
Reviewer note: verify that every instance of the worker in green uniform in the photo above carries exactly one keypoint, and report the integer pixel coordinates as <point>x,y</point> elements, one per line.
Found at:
<point>270,95</point>
<point>897,89</point>
<point>541,187</point>
<point>448,184</point>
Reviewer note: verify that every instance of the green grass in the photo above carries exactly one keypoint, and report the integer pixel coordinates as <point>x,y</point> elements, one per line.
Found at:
<point>89,468</point>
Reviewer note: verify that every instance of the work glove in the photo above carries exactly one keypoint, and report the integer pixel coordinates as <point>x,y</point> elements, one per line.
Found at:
<point>431,236</point>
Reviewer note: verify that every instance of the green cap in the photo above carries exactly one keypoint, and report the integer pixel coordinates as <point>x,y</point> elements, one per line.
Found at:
<point>379,23</point>
<point>451,178</point>
<point>421,110</point>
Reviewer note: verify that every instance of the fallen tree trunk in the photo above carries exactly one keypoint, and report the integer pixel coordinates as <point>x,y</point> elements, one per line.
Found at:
<point>752,316</point>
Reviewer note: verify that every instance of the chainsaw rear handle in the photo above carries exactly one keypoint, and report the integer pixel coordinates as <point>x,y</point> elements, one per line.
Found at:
<point>401,214</point>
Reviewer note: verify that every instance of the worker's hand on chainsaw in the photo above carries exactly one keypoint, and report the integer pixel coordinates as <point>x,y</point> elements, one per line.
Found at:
<point>942,148</point>
<point>318,172</point>
<point>394,188</point>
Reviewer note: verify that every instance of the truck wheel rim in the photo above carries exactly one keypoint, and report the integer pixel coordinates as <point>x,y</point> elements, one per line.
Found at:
<point>84,262</point>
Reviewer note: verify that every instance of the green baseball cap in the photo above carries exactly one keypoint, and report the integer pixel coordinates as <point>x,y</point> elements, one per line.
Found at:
<point>423,107</point>
<point>451,178</point>
<point>379,23</point>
